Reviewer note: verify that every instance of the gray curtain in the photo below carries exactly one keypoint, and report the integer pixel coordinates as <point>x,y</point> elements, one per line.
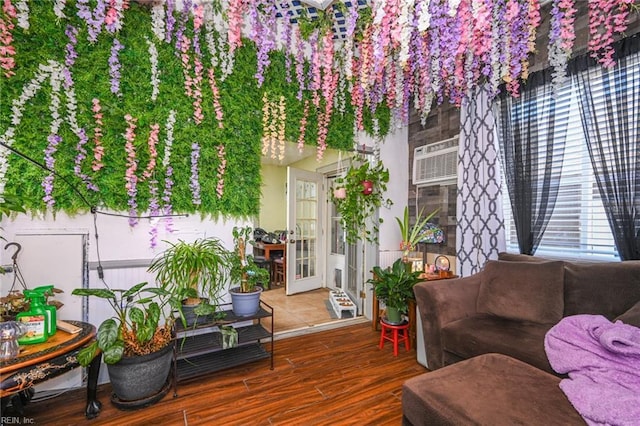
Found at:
<point>611,126</point>
<point>480,230</point>
<point>532,129</point>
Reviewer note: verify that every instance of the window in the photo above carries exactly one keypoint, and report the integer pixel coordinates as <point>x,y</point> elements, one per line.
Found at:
<point>578,226</point>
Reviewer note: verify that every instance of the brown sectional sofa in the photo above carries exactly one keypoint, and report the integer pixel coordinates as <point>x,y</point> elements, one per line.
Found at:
<point>511,304</point>
<point>507,309</point>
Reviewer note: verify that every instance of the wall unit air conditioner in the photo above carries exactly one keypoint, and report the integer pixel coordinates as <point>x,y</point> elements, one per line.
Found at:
<point>436,163</point>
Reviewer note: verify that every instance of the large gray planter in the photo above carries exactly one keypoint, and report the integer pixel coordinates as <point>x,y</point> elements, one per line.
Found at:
<point>139,377</point>
<point>245,304</point>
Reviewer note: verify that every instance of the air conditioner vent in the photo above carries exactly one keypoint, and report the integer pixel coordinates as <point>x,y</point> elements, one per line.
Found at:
<point>436,163</point>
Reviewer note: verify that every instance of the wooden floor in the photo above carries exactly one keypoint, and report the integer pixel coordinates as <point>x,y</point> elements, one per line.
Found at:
<point>332,377</point>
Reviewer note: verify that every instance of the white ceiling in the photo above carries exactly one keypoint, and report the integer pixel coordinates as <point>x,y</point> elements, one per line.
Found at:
<point>291,155</point>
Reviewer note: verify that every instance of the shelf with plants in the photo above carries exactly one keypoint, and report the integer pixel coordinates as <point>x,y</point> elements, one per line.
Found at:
<point>199,349</point>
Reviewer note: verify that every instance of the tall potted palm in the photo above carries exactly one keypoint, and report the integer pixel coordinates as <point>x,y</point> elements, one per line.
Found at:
<point>394,287</point>
<point>195,273</point>
<point>136,342</point>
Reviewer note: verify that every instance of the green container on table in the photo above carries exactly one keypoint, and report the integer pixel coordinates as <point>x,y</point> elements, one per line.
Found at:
<point>35,319</point>
<point>47,290</point>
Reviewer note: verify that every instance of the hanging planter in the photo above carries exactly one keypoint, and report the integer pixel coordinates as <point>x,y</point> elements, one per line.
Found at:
<point>364,185</point>
<point>367,187</point>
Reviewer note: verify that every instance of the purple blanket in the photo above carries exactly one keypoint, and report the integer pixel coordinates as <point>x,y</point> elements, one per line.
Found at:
<point>602,360</point>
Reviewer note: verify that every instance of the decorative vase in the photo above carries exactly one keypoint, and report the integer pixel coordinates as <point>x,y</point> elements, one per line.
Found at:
<point>340,193</point>
<point>367,187</point>
<point>245,304</point>
<point>138,378</point>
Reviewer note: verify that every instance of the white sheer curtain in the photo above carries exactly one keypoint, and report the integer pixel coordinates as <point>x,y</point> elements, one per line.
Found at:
<point>480,230</point>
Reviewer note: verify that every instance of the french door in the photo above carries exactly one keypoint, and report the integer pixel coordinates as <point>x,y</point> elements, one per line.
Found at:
<point>305,242</point>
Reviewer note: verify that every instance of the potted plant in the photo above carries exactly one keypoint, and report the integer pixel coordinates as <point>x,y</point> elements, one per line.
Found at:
<point>394,287</point>
<point>411,235</point>
<point>364,186</point>
<point>195,273</point>
<point>245,298</point>
<point>136,342</point>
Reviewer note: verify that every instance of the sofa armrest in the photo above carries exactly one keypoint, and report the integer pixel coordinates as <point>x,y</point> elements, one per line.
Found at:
<point>440,303</point>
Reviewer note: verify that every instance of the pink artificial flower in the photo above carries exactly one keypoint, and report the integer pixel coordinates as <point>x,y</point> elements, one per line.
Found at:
<point>98,149</point>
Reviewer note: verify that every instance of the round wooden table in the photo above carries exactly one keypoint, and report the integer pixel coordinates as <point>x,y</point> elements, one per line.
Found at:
<point>43,361</point>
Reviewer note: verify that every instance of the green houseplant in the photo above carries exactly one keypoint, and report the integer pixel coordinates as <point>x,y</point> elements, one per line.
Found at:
<point>364,187</point>
<point>394,286</point>
<point>195,272</point>
<point>245,297</point>
<point>135,341</point>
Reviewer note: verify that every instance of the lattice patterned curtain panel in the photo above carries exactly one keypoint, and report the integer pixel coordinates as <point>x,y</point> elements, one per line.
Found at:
<point>480,230</point>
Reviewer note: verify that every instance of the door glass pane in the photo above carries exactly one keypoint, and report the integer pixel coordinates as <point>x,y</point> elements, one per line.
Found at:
<point>306,219</point>
<point>336,237</point>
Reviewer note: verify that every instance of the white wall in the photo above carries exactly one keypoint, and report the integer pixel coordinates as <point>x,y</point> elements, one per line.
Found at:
<point>125,253</point>
<point>394,152</point>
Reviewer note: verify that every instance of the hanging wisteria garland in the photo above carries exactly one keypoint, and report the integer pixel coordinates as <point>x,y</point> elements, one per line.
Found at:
<point>131,179</point>
<point>561,39</point>
<point>98,148</point>
<point>195,174</point>
<point>54,138</point>
<point>403,51</point>
<point>166,164</point>
<point>7,50</point>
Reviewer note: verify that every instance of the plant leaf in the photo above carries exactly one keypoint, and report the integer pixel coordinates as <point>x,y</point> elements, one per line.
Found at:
<point>114,353</point>
<point>86,354</point>
<point>97,292</point>
<point>107,333</point>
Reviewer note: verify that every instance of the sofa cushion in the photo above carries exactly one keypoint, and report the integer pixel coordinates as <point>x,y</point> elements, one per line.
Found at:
<point>483,334</point>
<point>607,288</point>
<point>516,257</point>
<point>632,316</point>
<point>522,291</point>
<point>487,390</point>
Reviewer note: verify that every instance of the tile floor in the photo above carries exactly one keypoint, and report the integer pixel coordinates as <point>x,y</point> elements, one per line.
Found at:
<point>298,311</point>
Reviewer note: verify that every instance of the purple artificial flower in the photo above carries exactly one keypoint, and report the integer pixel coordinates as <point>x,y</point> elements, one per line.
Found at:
<point>80,157</point>
<point>71,55</point>
<point>47,183</point>
<point>287,46</point>
<point>184,17</point>
<point>300,66</point>
<point>114,67</point>
<point>264,33</point>
<point>171,20</point>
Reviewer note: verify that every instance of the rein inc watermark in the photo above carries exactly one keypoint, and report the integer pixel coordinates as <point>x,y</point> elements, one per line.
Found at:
<point>17,420</point>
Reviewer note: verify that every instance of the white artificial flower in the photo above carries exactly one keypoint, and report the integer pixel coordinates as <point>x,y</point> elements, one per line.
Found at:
<point>157,20</point>
<point>22,7</point>
<point>171,120</point>
<point>17,109</point>
<point>453,7</point>
<point>58,8</point>
<point>155,74</point>
<point>424,18</point>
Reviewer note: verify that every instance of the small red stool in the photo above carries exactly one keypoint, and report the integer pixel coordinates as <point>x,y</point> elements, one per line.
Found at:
<point>393,334</point>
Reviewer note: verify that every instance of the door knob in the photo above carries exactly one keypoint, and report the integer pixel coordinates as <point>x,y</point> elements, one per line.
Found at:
<point>291,241</point>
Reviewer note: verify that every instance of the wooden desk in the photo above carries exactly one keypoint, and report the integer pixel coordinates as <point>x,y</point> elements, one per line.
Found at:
<point>43,361</point>
<point>262,249</point>
<point>376,314</point>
